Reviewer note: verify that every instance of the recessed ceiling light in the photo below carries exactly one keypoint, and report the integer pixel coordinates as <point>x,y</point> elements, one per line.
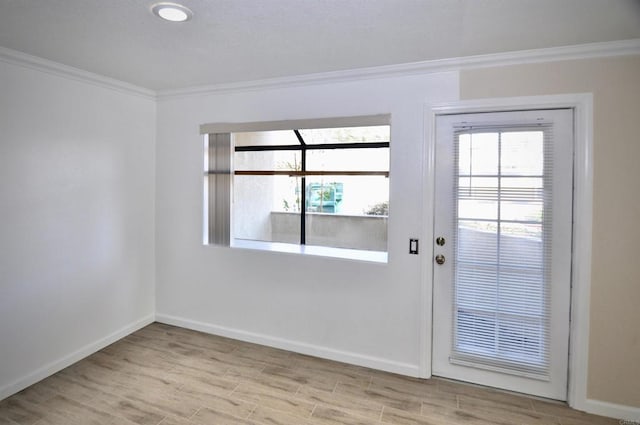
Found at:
<point>172,12</point>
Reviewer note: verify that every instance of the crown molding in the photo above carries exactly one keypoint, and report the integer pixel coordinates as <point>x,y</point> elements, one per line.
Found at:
<point>581,51</point>
<point>44,65</point>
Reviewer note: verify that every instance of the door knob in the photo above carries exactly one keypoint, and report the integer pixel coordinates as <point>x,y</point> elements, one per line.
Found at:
<point>440,259</point>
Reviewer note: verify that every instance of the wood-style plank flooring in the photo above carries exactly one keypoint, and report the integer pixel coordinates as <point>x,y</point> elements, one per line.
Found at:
<point>164,375</point>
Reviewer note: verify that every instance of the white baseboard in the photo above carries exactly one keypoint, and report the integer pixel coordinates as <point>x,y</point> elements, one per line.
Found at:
<point>612,410</point>
<point>71,358</point>
<point>295,346</point>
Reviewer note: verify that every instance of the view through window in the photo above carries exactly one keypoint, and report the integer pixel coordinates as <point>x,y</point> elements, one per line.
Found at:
<point>325,187</point>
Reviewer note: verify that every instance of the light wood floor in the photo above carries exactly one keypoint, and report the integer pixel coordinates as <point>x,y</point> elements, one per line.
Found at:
<point>164,375</point>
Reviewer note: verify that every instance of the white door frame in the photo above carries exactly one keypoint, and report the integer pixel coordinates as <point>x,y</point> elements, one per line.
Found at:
<point>582,104</point>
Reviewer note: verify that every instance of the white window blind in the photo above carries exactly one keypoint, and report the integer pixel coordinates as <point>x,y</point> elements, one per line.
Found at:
<point>502,201</point>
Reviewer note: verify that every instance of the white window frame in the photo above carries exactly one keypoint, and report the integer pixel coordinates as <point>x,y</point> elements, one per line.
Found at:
<point>335,122</point>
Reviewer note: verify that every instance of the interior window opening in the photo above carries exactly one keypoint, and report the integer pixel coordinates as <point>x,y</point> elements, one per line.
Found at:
<point>323,187</point>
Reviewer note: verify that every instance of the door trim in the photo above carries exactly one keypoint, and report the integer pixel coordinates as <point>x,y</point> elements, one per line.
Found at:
<point>582,105</point>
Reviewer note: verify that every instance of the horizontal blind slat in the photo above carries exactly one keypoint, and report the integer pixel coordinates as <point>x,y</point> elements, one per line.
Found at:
<point>501,296</point>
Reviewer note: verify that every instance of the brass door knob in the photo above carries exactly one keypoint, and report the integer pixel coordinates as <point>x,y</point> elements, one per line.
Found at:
<point>440,259</point>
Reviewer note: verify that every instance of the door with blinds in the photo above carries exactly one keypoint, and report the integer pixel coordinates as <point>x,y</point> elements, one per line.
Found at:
<point>502,249</point>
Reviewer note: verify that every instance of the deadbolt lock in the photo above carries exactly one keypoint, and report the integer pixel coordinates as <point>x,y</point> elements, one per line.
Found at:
<point>440,241</point>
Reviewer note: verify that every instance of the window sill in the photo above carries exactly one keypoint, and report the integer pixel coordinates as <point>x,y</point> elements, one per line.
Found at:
<point>321,251</point>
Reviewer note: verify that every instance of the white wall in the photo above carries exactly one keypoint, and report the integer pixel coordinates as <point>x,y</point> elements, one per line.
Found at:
<point>360,312</point>
<point>77,224</point>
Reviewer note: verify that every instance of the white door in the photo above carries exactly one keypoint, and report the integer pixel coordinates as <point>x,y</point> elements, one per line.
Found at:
<point>502,266</point>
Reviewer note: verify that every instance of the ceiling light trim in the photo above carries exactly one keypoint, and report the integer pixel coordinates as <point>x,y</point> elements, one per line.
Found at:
<point>552,54</point>
<point>172,12</point>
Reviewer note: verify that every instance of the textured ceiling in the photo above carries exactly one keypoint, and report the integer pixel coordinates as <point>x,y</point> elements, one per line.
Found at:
<point>242,40</point>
